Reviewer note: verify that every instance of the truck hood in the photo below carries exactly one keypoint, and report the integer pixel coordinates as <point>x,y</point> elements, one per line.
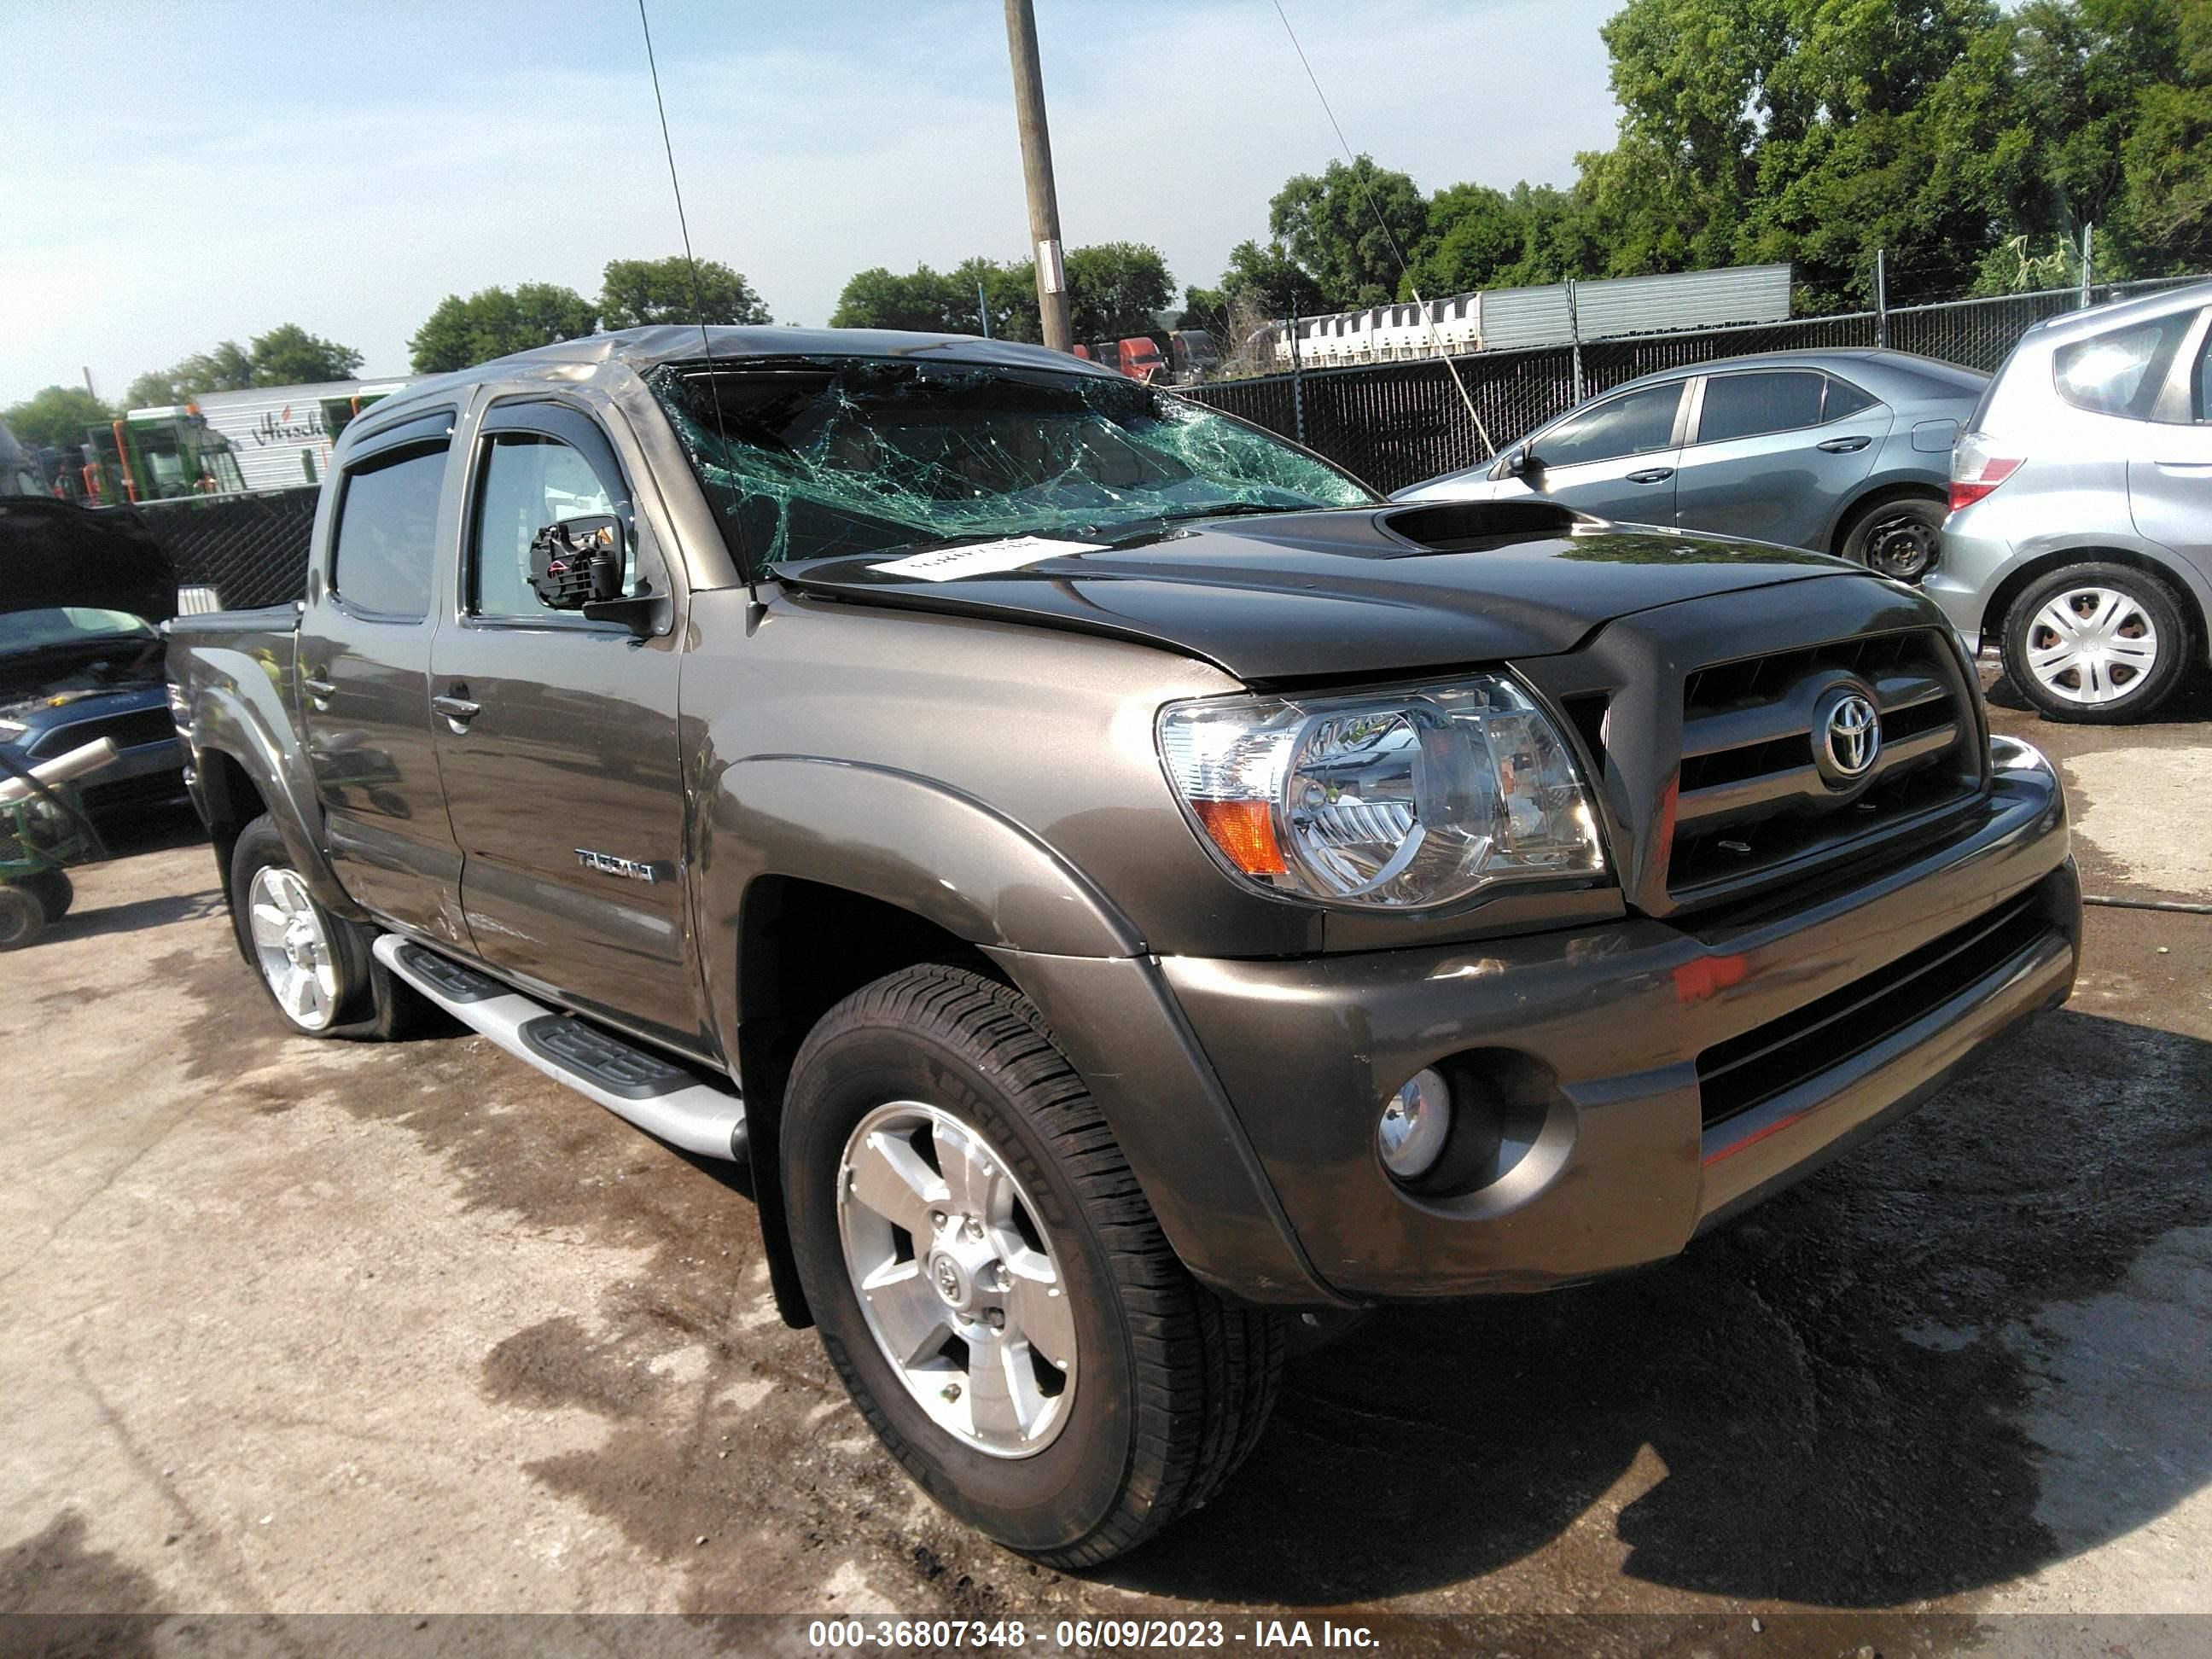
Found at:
<point>1342,592</point>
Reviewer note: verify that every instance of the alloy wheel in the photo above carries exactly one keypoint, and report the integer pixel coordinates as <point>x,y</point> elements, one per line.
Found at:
<point>957,1281</point>
<point>2091,644</point>
<point>292,946</point>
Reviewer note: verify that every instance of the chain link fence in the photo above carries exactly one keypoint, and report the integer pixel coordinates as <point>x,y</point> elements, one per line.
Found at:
<point>1396,424</point>
<point>252,549</point>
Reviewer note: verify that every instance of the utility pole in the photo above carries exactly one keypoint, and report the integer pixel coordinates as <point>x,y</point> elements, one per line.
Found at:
<point>1037,172</point>
<point>1881,297</point>
<point>2086,254</point>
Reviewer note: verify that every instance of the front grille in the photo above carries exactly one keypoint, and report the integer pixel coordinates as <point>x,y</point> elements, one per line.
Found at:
<point>1754,805</point>
<point>1749,1071</point>
<point>130,732</point>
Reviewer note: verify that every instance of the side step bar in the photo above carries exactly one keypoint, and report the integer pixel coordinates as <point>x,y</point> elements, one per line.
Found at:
<point>635,1084</point>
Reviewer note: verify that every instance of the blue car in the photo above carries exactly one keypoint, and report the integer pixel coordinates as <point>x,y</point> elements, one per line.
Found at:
<point>1840,452</point>
<point>81,655</point>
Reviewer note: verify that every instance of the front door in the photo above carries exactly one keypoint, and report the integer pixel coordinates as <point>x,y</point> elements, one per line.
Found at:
<point>1615,459</point>
<point>364,662</point>
<point>557,741</point>
<point>1776,453</point>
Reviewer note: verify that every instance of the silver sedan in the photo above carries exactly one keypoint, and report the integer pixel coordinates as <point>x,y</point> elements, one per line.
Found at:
<point>1841,451</point>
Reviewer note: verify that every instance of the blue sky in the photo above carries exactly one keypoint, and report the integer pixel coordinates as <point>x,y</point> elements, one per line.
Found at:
<point>175,174</point>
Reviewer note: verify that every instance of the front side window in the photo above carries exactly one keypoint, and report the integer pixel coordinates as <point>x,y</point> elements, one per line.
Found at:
<point>2120,371</point>
<point>1751,405</point>
<point>1635,423</point>
<point>815,460</point>
<point>528,481</point>
<point>387,532</point>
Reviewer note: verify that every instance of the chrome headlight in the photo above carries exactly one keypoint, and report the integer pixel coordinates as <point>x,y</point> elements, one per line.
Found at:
<point>1391,800</point>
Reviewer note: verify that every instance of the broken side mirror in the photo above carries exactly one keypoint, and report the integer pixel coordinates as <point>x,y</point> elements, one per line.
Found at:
<point>578,564</point>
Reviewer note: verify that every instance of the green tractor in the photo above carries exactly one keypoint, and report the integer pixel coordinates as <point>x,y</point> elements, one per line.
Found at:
<point>157,455</point>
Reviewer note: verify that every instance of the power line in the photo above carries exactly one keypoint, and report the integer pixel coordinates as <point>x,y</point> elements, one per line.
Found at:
<point>1404,269</point>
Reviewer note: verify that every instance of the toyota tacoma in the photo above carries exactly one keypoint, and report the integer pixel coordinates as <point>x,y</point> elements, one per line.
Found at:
<point>1123,884</point>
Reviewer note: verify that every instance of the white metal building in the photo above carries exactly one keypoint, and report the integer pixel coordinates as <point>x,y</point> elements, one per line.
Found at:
<point>281,434</point>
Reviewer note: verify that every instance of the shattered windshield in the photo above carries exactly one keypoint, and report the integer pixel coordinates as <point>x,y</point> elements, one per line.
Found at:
<point>821,458</point>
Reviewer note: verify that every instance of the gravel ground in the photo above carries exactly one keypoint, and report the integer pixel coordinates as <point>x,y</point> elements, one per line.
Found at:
<point>295,1327</point>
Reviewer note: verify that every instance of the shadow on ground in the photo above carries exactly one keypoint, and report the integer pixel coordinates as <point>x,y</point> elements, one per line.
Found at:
<point>1834,1386</point>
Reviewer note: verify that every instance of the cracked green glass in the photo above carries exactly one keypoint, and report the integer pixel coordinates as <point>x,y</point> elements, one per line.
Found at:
<point>814,459</point>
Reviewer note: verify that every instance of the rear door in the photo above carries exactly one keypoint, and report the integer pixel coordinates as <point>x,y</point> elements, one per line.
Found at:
<point>2170,465</point>
<point>557,740</point>
<point>1773,454</point>
<point>364,657</point>
<point>1615,458</point>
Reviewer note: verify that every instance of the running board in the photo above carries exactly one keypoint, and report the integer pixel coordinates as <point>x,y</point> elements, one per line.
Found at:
<point>632,1082</point>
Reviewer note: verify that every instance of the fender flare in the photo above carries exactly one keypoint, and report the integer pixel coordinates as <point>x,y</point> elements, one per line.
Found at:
<point>229,720</point>
<point>918,846</point>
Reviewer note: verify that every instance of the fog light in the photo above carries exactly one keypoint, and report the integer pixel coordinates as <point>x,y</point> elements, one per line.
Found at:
<point>1416,1122</point>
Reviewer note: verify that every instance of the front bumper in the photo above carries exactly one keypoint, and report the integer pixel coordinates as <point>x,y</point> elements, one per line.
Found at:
<point>1616,1151</point>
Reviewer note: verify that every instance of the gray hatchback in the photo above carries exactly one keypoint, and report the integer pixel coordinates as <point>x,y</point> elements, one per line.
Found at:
<point>1841,451</point>
<point>2080,540</point>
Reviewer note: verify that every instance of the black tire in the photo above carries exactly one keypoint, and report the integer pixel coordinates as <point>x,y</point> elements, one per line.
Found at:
<point>1175,1385</point>
<point>2131,691</point>
<point>370,1004</point>
<point>1898,539</point>
<point>54,890</point>
<point>22,918</point>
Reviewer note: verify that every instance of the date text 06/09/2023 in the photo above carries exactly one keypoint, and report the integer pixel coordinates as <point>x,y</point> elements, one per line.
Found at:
<point>1084,1634</point>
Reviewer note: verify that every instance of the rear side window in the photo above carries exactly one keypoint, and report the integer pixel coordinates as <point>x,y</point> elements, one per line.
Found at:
<point>2200,384</point>
<point>2120,371</point>
<point>1634,424</point>
<point>1747,405</point>
<point>388,533</point>
<point>1844,398</point>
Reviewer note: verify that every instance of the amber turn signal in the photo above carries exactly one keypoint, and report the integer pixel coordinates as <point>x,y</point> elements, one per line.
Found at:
<point>1244,830</point>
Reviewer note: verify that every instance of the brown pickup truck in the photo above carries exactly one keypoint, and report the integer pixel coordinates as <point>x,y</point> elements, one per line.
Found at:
<point>1122,884</point>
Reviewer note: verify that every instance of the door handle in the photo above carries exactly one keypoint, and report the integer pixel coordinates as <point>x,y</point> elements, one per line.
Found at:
<point>1652,475</point>
<point>457,708</point>
<point>1844,446</point>
<point>319,690</point>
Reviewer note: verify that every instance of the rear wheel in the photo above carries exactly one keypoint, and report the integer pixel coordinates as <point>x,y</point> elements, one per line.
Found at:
<point>54,891</point>
<point>2096,643</point>
<point>22,918</point>
<point>316,966</point>
<point>1899,539</point>
<point>991,1284</point>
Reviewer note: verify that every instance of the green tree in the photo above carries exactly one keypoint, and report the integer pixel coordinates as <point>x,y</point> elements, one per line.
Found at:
<point>288,356</point>
<point>924,301</point>
<point>1479,238</point>
<point>1348,228</point>
<point>1115,289</point>
<point>636,292</point>
<point>494,322</point>
<point>59,415</point>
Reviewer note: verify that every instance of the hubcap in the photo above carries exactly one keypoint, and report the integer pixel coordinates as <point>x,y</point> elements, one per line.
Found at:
<point>958,1283</point>
<point>2091,644</point>
<point>1903,548</point>
<point>292,947</point>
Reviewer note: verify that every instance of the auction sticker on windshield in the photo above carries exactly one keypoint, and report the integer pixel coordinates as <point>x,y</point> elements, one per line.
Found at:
<point>981,558</point>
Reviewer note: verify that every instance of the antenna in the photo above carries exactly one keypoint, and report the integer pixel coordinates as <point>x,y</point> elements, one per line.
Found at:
<point>698,306</point>
<point>1397,252</point>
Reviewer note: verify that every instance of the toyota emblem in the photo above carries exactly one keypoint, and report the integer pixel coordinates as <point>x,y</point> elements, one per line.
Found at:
<point>1854,735</point>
